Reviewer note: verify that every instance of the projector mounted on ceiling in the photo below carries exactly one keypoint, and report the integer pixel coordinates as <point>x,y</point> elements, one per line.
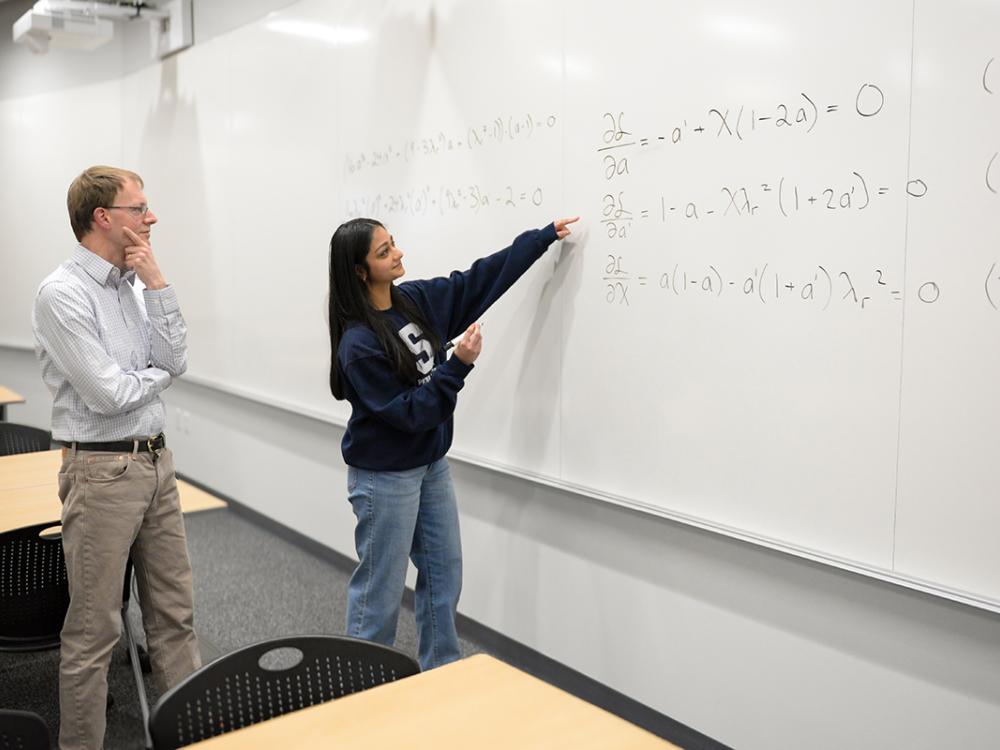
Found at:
<point>39,29</point>
<point>86,25</point>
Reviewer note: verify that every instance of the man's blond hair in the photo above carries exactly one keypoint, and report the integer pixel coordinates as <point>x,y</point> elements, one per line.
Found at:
<point>95,187</point>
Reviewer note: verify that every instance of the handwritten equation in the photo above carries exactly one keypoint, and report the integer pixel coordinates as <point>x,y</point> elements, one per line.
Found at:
<point>738,121</point>
<point>781,196</point>
<point>442,200</point>
<point>765,284</point>
<point>499,130</point>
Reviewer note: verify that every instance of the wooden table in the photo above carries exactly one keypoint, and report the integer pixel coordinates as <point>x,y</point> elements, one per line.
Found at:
<point>29,469</point>
<point>477,703</point>
<point>29,491</point>
<point>7,396</point>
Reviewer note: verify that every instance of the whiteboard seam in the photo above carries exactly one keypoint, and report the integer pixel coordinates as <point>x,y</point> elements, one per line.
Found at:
<point>562,308</point>
<point>902,317</point>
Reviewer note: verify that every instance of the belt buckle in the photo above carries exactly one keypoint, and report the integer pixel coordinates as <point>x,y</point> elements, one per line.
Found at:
<point>152,447</point>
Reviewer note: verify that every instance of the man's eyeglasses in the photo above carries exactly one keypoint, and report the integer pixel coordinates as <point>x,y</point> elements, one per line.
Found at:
<point>136,210</point>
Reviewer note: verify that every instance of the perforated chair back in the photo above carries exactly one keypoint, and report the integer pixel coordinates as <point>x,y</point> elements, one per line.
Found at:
<point>34,593</point>
<point>20,438</point>
<point>245,687</point>
<point>22,730</point>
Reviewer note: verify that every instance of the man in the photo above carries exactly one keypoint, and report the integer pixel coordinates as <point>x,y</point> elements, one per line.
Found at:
<point>106,351</point>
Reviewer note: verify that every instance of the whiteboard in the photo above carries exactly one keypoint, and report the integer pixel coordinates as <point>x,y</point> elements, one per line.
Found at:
<point>762,398</point>
<point>778,318</point>
<point>38,163</point>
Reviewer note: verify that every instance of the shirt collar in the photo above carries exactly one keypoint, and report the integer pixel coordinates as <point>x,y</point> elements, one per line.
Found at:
<point>104,273</point>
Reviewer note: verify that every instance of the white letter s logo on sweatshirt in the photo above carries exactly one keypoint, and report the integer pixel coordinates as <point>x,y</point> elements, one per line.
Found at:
<point>414,339</point>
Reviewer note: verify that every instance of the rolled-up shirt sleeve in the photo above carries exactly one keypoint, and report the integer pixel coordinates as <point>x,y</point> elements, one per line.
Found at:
<point>66,329</point>
<point>167,331</point>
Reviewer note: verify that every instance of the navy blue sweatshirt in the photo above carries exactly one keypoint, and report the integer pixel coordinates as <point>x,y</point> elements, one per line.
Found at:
<point>396,425</point>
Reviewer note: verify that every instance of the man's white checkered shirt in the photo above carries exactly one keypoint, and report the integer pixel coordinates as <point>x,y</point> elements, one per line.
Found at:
<point>106,350</point>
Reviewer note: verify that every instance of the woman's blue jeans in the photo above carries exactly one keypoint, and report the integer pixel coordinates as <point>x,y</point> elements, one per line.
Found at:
<point>406,515</point>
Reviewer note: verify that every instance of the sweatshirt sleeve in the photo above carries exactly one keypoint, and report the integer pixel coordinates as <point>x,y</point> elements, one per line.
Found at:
<point>410,409</point>
<point>457,301</point>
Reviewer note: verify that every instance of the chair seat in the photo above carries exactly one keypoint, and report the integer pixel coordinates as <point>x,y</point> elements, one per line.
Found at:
<point>242,688</point>
<point>24,730</point>
<point>34,592</point>
<point>21,438</point>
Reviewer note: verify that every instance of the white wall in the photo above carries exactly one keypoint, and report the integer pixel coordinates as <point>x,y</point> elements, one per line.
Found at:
<point>754,648</point>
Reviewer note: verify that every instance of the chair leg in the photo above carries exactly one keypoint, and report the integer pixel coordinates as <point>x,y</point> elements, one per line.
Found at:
<point>144,663</point>
<point>133,655</point>
<point>147,667</point>
<point>140,685</point>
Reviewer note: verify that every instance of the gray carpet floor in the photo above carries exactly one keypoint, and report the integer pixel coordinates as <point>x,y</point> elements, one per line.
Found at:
<point>249,585</point>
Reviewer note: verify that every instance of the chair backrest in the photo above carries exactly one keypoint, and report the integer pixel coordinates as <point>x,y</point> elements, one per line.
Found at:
<point>23,730</point>
<point>34,592</point>
<point>20,438</point>
<point>241,688</point>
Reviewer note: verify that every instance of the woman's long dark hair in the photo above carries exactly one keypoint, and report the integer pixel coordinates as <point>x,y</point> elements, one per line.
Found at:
<point>349,303</point>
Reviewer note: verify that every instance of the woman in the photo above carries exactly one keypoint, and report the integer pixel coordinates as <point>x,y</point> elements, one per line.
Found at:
<point>389,360</point>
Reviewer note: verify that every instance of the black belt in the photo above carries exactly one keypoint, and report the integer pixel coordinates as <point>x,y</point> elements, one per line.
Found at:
<point>146,445</point>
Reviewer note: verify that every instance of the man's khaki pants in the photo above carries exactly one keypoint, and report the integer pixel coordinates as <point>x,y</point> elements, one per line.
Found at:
<point>114,503</point>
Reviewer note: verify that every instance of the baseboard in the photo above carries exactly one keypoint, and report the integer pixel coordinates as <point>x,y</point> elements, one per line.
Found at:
<point>499,645</point>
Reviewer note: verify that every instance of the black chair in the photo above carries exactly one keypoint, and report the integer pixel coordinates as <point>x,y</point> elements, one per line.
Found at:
<point>241,688</point>
<point>23,730</point>
<point>20,438</point>
<point>137,656</point>
<point>34,593</point>
<point>34,597</point>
